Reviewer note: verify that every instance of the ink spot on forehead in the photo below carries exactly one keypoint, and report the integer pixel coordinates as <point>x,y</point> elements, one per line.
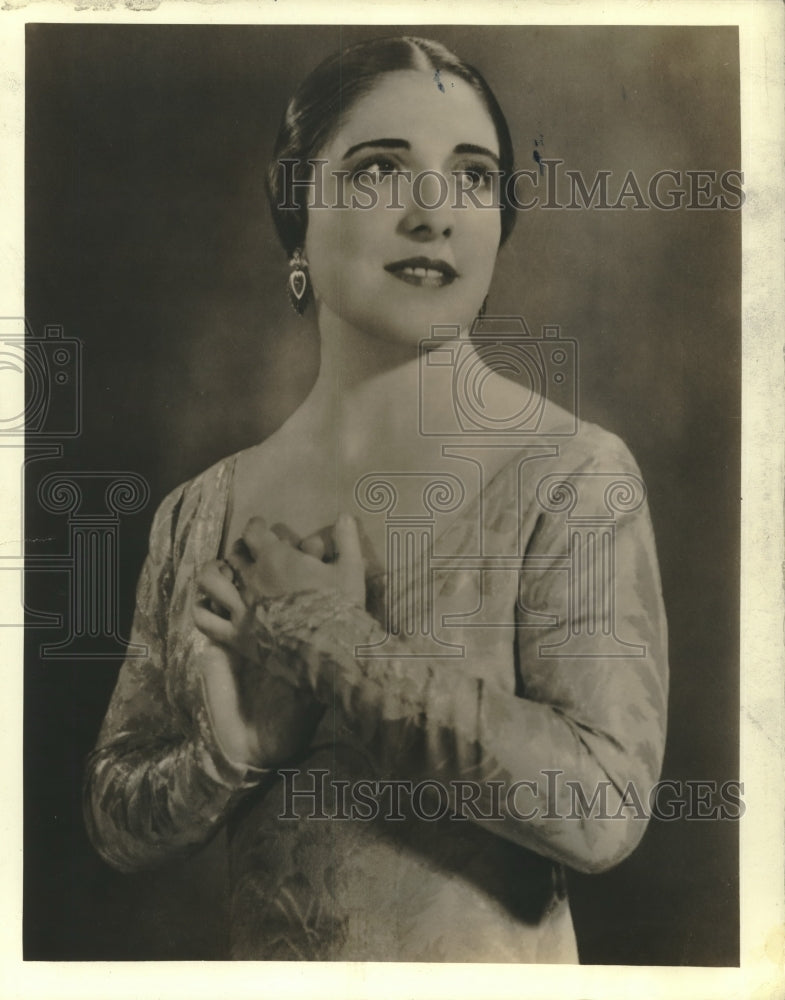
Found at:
<point>437,76</point>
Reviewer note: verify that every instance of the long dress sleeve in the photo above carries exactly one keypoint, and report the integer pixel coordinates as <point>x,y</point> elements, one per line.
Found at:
<point>581,744</point>
<point>158,783</point>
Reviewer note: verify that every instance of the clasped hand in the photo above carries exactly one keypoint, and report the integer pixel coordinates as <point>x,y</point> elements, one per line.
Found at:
<point>261,712</point>
<point>264,564</point>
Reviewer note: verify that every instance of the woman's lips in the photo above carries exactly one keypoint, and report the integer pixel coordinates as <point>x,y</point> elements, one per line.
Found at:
<point>423,271</point>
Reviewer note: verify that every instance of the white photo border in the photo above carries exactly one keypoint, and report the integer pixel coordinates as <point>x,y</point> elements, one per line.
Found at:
<point>761,25</point>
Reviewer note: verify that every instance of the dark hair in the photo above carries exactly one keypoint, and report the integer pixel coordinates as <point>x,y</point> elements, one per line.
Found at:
<point>316,111</point>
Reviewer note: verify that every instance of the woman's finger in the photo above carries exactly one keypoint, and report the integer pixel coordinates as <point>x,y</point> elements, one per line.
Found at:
<point>314,545</point>
<point>213,626</point>
<point>258,538</point>
<point>347,541</point>
<point>222,590</point>
<point>238,556</point>
<point>349,559</point>
<point>285,534</point>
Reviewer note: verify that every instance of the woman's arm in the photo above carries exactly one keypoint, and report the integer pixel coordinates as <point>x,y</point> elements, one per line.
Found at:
<point>158,783</point>
<point>598,721</point>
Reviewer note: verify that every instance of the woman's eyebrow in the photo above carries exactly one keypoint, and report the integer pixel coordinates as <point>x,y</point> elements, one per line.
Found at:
<point>469,147</point>
<point>377,144</point>
<point>463,147</point>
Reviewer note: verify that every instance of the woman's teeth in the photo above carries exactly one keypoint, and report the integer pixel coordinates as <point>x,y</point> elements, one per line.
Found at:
<point>429,276</point>
<point>423,272</point>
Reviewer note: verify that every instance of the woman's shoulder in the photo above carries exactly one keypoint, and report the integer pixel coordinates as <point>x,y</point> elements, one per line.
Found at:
<point>597,448</point>
<point>581,445</point>
<point>535,419</point>
<point>584,470</point>
<point>195,489</point>
<point>200,500</point>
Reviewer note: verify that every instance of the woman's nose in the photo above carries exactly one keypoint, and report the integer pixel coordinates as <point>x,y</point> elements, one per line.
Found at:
<point>430,213</point>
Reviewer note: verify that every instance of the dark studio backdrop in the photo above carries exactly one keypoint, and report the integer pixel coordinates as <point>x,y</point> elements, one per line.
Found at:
<point>148,239</point>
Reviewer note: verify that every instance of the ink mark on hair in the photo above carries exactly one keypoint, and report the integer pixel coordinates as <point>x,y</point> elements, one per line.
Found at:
<point>539,141</point>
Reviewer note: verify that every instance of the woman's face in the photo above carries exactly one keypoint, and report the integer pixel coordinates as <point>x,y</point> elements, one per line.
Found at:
<point>408,252</point>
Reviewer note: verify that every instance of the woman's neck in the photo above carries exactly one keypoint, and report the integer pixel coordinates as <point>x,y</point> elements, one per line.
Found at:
<point>365,400</point>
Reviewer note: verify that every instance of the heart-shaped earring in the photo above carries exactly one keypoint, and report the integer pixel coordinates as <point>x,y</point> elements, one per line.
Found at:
<point>298,282</point>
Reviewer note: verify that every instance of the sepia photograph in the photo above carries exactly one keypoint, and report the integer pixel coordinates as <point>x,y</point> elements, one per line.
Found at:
<point>381,453</point>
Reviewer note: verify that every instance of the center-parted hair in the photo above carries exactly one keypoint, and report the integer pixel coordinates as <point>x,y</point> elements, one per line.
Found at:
<point>325,97</point>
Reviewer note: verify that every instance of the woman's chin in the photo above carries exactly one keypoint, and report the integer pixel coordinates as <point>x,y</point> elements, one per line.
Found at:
<point>417,336</point>
<point>416,326</point>
<point>399,325</point>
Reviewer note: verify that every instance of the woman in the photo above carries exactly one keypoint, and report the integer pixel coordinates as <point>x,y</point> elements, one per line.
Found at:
<point>374,644</point>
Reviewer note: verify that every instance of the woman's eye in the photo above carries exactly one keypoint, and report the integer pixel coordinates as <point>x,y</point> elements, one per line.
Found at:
<point>377,169</point>
<point>473,175</point>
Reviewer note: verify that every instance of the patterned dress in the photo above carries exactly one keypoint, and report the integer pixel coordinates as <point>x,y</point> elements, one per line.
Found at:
<point>495,712</point>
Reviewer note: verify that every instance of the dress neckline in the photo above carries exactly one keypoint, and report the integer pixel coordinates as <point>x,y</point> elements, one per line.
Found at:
<point>222,490</point>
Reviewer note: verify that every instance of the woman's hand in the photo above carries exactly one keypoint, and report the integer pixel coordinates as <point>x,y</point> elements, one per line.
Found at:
<point>263,565</point>
<point>268,566</point>
<point>222,614</point>
<point>259,720</point>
